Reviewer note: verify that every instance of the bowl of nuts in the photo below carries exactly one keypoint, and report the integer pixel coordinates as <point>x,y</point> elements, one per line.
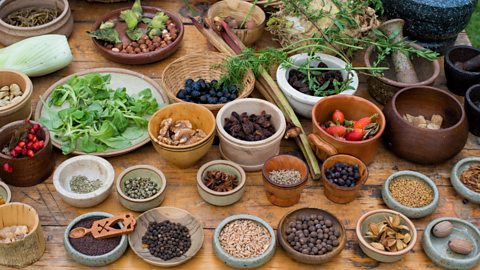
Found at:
<point>15,96</point>
<point>141,187</point>
<point>311,235</point>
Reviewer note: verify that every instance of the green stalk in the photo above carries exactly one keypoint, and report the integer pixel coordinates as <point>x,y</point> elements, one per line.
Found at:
<point>249,13</point>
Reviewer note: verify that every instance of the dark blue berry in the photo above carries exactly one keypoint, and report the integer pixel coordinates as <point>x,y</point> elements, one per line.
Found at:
<point>215,100</point>
<point>348,182</point>
<point>341,182</point>
<point>211,100</point>
<point>219,94</point>
<point>204,99</point>
<point>188,82</point>
<point>181,94</point>
<point>356,176</point>
<point>223,100</point>
<point>233,96</point>
<point>196,94</point>
<point>188,90</point>
<point>232,89</point>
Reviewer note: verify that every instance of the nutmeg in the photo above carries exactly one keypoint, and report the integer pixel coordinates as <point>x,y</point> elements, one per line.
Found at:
<point>442,229</point>
<point>460,246</point>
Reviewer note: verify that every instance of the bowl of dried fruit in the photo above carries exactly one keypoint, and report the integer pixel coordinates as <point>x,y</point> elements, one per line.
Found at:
<point>410,193</point>
<point>244,241</point>
<point>137,35</point>
<point>385,235</point>
<point>221,182</point>
<point>465,178</point>
<point>15,96</point>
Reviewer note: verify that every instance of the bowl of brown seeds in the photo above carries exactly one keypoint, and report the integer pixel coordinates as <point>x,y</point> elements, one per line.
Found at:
<point>410,193</point>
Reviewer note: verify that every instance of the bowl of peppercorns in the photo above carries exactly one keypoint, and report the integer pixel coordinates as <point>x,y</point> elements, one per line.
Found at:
<point>311,235</point>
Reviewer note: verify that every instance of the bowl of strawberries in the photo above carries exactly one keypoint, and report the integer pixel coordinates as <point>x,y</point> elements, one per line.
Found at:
<point>26,156</point>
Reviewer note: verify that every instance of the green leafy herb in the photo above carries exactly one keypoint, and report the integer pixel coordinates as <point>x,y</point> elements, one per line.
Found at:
<point>132,16</point>
<point>110,35</point>
<point>134,34</point>
<point>107,25</point>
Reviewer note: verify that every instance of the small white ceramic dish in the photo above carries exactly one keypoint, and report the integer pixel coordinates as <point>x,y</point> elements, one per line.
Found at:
<point>5,192</point>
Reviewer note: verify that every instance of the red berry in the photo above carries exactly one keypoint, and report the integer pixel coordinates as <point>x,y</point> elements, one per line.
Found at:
<point>36,127</point>
<point>7,167</point>
<point>338,117</point>
<point>41,144</point>
<point>29,145</point>
<point>18,149</point>
<point>30,137</point>
<point>336,131</point>
<point>31,131</point>
<point>13,153</point>
<point>24,151</point>
<point>21,143</point>
<point>34,138</point>
<point>30,153</point>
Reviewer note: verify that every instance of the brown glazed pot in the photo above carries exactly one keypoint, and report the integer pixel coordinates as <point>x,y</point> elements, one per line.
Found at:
<point>422,145</point>
<point>354,108</point>
<point>339,194</point>
<point>284,195</point>
<point>27,171</point>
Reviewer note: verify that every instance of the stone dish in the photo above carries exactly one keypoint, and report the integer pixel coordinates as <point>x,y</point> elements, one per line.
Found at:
<point>459,187</point>
<point>240,263</point>
<point>91,261</point>
<point>5,192</point>
<point>140,205</point>
<point>459,80</point>
<point>437,248</point>
<point>22,109</point>
<point>409,211</point>
<point>473,110</point>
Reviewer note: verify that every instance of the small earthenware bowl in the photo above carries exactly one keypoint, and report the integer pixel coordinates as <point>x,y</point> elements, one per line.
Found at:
<point>305,258</point>
<point>410,211</point>
<point>472,109</point>
<point>339,194</point>
<point>5,192</point>
<point>221,198</point>
<point>93,168</point>
<point>22,109</point>
<point>376,216</point>
<point>100,260</point>
<point>437,248</point>
<point>140,205</point>
<point>284,194</point>
<point>459,80</point>
<point>172,214</point>
<point>241,263</point>
<point>459,187</point>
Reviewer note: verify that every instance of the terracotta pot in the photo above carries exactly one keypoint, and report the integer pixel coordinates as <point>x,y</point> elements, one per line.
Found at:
<point>281,194</point>
<point>10,34</point>
<point>423,145</point>
<point>354,108</point>
<point>472,109</point>
<point>20,110</point>
<point>27,171</point>
<point>459,80</point>
<point>339,194</point>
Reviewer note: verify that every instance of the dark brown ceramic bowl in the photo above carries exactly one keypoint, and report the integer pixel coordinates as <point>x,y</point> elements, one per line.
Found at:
<point>143,58</point>
<point>459,80</point>
<point>304,258</point>
<point>423,145</point>
<point>472,109</point>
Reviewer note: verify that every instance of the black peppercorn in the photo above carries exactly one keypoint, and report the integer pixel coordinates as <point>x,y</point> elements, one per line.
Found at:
<point>167,240</point>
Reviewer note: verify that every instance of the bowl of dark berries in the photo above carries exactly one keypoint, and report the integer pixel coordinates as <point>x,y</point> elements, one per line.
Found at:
<point>194,78</point>
<point>137,35</point>
<point>311,235</point>
<point>342,177</point>
<point>221,182</point>
<point>181,236</point>
<point>26,154</point>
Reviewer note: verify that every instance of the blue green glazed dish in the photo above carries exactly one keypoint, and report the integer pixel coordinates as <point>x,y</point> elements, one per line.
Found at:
<point>437,248</point>
<point>461,189</point>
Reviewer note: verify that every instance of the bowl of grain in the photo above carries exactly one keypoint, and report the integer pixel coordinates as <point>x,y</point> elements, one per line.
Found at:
<point>465,178</point>
<point>410,193</point>
<point>244,241</point>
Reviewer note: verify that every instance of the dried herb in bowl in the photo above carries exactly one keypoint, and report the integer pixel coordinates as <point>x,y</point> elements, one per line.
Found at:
<point>32,16</point>
<point>389,234</point>
<point>249,127</point>
<point>471,178</point>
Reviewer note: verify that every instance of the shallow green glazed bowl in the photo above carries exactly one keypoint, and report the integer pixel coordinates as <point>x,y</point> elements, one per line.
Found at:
<point>461,189</point>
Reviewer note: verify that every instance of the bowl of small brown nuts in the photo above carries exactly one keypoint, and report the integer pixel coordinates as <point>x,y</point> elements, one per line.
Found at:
<point>15,96</point>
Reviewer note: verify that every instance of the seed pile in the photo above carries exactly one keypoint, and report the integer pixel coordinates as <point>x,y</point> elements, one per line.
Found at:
<point>220,181</point>
<point>81,184</point>
<point>140,187</point>
<point>13,233</point>
<point>420,121</point>
<point>10,94</point>
<point>244,238</point>
<point>167,240</point>
<point>411,192</point>
<point>204,92</point>
<point>179,132</point>
<point>343,174</point>
<point>32,16</point>
<point>285,177</point>
<point>389,234</point>
<point>91,246</point>
<point>249,127</point>
<point>471,178</point>
<point>312,234</point>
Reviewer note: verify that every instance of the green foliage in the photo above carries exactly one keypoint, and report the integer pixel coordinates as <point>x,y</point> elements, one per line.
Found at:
<point>108,34</point>
<point>473,27</point>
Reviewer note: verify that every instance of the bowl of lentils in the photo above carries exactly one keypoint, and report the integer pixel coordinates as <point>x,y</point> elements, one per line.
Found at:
<point>311,235</point>
<point>410,193</point>
<point>244,241</point>
<point>141,187</point>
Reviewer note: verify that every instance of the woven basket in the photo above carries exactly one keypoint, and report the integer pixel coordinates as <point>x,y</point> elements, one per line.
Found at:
<point>199,66</point>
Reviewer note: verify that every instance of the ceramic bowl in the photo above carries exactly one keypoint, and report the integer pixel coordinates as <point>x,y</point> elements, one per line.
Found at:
<point>250,155</point>
<point>23,108</point>
<point>303,103</point>
<point>183,156</point>
<point>437,248</point>
<point>221,198</point>
<point>420,145</point>
<point>472,109</point>
<point>459,187</point>
<point>241,263</point>
<point>305,258</point>
<point>376,216</point>
<point>410,211</point>
<point>5,192</point>
<point>160,214</point>
<point>92,167</point>
<point>459,80</point>
<point>143,58</point>
<point>10,34</point>
<point>140,205</point>
<point>284,194</point>
<point>100,260</point>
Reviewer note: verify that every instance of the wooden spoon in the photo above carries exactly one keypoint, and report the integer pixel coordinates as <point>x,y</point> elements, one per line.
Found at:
<point>103,228</point>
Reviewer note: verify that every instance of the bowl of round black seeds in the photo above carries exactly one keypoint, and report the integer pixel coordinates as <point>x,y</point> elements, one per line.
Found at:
<point>166,236</point>
<point>141,187</point>
<point>311,235</point>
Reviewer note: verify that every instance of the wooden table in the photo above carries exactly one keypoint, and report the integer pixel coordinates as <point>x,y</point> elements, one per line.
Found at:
<point>181,192</point>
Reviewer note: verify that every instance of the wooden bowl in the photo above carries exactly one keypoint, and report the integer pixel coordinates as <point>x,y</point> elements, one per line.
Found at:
<point>422,145</point>
<point>143,58</point>
<point>459,80</point>
<point>160,214</point>
<point>200,66</point>
<point>238,9</point>
<point>472,109</point>
<point>19,110</point>
<point>305,258</point>
<point>27,171</point>
<point>5,192</point>
<point>28,250</point>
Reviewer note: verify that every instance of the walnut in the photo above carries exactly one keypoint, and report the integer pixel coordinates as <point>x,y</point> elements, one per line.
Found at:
<point>180,132</point>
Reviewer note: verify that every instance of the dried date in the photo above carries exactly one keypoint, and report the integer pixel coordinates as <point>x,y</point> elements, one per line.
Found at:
<point>249,127</point>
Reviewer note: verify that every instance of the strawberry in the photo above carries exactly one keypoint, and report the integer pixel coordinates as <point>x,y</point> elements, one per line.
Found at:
<point>355,135</point>
<point>364,121</point>
<point>336,131</point>
<point>7,167</point>
<point>338,117</point>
